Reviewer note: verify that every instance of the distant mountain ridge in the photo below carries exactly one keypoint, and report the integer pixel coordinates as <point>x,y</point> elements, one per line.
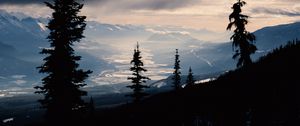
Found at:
<point>21,38</point>
<point>274,36</point>
<point>268,38</point>
<point>26,33</point>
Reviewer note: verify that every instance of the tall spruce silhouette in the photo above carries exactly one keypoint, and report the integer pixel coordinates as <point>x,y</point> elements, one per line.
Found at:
<point>243,41</point>
<point>190,78</point>
<point>138,77</point>
<point>176,74</point>
<point>61,87</point>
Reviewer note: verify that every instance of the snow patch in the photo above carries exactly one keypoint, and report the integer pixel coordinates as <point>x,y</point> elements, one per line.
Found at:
<point>205,80</point>
<point>118,27</point>
<point>205,60</point>
<point>160,84</point>
<point>8,120</point>
<point>2,95</point>
<point>42,26</point>
<point>110,29</point>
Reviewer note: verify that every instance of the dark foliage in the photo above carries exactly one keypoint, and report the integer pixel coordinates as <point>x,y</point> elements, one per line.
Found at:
<point>91,108</point>
<point>61,86</point>
<point>190,78</point>
<point>176,74</point>
<point>137,78</point>
<point>265,93</point>
<point>243,41</point>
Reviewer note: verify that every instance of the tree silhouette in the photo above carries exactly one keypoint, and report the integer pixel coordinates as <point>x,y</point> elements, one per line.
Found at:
<point>61,87</point>
<point>176,77</point>
<point>137,78</point>
<point>190,78</point>
<point>91,108</point>
<point>243,40</point>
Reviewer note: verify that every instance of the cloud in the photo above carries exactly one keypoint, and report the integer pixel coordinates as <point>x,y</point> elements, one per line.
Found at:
<point>119,4</point>
<point>18,76</point>
<point>28,2</point>
<point>290,0</point>
<point>22,2</point>
<point>276,11</point>
<point>153,4</point>
<point>19,82</point>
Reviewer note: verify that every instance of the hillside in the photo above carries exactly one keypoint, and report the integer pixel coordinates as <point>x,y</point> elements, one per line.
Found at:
<point>263,94</point>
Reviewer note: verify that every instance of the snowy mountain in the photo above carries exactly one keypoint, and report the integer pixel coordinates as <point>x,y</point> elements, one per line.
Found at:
<point>10,64</point>
<point>14,71</point>
<point>107,49</point>
<point>25,34</point>
<point>96,30</point>
<point>203,56</point>
<point>181,37</point>
<point>268,38</point>
<point>21,40</point>
<point>274,36</point>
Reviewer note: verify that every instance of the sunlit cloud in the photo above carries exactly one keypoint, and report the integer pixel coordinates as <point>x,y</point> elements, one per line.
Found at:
<point>274,11</point>
<point>144,4</point>
<point>118,4</point>
<point>198,14</point>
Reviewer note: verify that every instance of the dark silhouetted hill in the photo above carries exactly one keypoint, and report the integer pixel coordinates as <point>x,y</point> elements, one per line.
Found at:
<point>264,94</point>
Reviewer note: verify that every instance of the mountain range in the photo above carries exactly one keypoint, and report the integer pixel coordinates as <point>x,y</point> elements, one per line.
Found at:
<point>108,47</point>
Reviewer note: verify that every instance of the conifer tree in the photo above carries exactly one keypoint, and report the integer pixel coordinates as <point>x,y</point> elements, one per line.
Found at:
<point>138,79</point>
<point>91,108</point>
<point>190,78</point>
<point>243,41</point>
<point>61,87</point>
<point>176,74</point>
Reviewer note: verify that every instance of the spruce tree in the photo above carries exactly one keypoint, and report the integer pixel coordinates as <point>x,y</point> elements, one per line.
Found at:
<point>190,78</point>
<point>243,41</point>
<point>138,79</point>
<point>61,87</point>
<point>176,74</point>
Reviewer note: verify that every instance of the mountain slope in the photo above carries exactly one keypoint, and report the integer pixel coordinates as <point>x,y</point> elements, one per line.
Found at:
<point>268,38</point>
<point>21,40</point>
<point>11,64</point>
<point>274,36</point>
<point>25,34</point>
<point>265,93</point>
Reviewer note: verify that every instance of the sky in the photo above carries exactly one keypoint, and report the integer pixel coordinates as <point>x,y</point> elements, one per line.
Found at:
<point>199,14</point>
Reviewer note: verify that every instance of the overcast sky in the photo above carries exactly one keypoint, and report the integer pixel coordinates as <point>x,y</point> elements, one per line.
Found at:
<point>208,14</point>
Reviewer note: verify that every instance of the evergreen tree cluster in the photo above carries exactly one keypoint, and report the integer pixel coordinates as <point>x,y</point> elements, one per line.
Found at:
<point>138,78</point>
